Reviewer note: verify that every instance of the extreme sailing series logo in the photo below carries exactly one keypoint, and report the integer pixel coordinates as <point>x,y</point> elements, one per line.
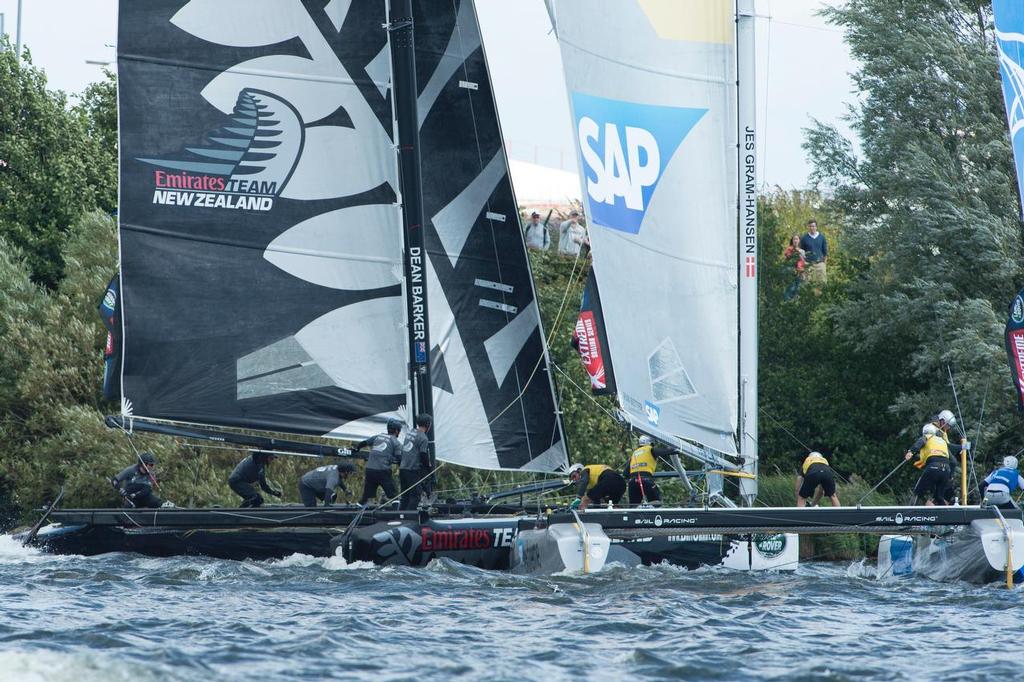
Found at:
<point>243,165</point>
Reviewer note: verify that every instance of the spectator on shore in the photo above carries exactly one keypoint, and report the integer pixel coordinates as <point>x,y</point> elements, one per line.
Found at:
<point>572,236</point>
<point>815,248</point>
<point>795,255</point>
<point>537,236</point>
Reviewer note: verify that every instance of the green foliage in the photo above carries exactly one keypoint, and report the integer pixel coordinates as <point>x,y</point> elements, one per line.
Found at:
<point>57,162</point>
<point>930,212</point>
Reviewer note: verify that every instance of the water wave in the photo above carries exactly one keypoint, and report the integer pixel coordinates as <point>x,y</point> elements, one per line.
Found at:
<point>192,618</point>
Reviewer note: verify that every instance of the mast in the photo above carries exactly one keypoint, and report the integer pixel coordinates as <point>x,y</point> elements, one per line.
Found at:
<point>404,92</point>
<point>746,108</point>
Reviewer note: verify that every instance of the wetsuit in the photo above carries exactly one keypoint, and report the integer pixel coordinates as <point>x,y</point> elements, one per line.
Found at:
<point>319,484</point>
<point>251,470</point>
<point>639,472</point>
<point>600,482</point>
<point>414,465</point>
<point>137,487</point>
<point>815,471</point>
<point>384,451</point>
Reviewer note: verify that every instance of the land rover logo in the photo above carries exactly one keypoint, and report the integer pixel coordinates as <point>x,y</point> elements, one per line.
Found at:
<point>1018,310</point>
<point>770,546</point>
<point>899,519</point>
<point>658,521</point>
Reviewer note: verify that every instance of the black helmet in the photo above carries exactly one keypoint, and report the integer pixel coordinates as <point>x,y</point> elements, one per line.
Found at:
<point>346,467</point>
<point>147,458</point>
<point>395,425</point>
<point>424,419</point>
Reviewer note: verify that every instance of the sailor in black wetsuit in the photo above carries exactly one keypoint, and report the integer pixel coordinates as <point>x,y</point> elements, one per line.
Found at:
<point>251,470</point>
<point>319,484</point>
<point>135,484</point>
<point>815,477</point>
<point>384,452</point>
<point>415,463</point>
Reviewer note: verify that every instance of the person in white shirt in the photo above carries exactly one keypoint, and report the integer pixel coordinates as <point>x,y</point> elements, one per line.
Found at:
<point>572,236</point>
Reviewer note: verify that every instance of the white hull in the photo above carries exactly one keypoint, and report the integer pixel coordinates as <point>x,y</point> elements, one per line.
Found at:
<point>976,553</point>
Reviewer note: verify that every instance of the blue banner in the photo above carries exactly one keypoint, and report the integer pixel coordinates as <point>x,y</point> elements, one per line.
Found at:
<point>1009,19</point>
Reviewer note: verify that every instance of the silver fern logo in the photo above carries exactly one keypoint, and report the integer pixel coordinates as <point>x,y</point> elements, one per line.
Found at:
<point>245,164</point>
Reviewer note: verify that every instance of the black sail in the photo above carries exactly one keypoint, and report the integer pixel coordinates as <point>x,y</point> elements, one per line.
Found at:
<point>261,243</point>
<point>493,394</point>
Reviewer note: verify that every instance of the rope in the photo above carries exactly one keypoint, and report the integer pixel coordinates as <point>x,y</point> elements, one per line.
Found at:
<point>887,476</point>
<point>959,416</point>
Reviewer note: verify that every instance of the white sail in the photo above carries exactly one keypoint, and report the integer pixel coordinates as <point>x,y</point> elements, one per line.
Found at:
<point>652,90</point>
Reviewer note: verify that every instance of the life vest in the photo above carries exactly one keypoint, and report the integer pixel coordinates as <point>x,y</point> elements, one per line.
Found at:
<point>642,461</point>
<point>933,447</point>
<point>812,459</point>
<point>595,471</point>
<point>1008,477</point>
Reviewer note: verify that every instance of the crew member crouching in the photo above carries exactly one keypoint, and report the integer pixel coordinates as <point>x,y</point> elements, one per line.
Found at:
<point>596,483</point>
<point>998,486</point>
<point>320,483</point>
<point>135,484</point>
<point>817,478</point>
<point>250,471</point>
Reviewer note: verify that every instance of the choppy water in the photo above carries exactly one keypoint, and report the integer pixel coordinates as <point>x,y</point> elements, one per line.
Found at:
<point>125,617</point>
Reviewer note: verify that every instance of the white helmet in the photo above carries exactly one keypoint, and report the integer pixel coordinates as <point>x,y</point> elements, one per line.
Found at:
<point>1010,462</point>
<point>929,429</point>
<point>645,440</point>
<point>946,417</point>
<point>575,468</point>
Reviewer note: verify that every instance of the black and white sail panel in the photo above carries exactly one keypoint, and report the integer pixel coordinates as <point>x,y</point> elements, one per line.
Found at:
<point>260,238</point>
<point>493,394</point>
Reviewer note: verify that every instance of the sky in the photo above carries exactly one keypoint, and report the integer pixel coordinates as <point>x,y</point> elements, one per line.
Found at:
<point>803,73</point>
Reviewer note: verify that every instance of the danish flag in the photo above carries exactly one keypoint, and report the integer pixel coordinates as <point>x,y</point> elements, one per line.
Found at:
<point>751,266</point>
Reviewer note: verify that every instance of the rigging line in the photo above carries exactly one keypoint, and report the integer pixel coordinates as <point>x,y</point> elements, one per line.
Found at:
<point>977,438</point>
<point>540,360</point>
<point>587,393</point>
<point>959,416</point>
<point>877,485</point>
<point>788,432</point>
<point>807,26</point>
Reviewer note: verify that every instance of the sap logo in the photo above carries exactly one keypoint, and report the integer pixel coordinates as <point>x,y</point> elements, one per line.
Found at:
<point>625,149</point>
<point>652,411</point>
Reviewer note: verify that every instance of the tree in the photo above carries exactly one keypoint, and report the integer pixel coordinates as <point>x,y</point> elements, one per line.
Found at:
<point>55,163</point>
<point>930,207</point>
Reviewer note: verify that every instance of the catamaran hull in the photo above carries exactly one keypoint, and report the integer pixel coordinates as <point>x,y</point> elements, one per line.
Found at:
<point>976,553</point>
<point>220,543</point>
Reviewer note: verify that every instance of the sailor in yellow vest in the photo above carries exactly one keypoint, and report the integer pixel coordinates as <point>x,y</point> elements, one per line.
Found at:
<point>639,472</point>
<point>815,477</point>
<point>932,456</point>
<point>596,483</point>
